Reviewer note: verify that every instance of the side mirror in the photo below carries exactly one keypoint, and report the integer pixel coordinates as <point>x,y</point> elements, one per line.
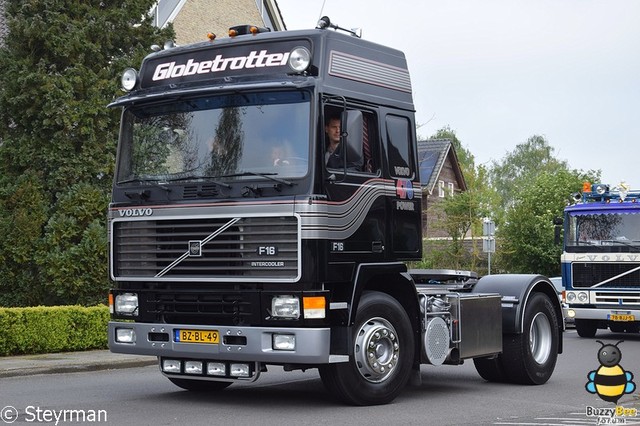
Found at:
<point>558,222</point>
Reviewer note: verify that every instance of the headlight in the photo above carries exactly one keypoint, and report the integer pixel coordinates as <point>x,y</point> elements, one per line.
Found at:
<point>126,304</point>
<point>284,342</point>
<point>601,189</point>
<point>129,79</point>
<point>285,307</point>
<point>571,297</point>
<point>193,367</point>
<point>582,297</point>
<point>125,335</point>
<point>299,59</point>
<point>171,366</point>
<point>240,370</point>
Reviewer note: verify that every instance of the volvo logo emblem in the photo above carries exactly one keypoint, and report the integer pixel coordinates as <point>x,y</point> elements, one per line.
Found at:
<point>135,212</point>
<point>195,248</point>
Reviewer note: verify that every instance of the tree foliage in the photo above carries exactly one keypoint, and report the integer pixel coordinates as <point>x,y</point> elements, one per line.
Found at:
<point>519,167</point>
<point>59,69</point>
<point>527,241</point>
<point>522,193</point>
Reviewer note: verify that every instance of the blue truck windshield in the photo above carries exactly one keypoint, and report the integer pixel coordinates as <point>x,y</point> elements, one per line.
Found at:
<point>227,137</point>
<point>610,231</point>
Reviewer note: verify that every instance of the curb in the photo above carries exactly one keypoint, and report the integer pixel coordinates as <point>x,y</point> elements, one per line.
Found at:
<point>71,362</point>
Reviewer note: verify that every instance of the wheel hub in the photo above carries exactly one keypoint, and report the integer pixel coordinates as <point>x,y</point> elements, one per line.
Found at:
<point>376,350</point>
<point>540,338</point>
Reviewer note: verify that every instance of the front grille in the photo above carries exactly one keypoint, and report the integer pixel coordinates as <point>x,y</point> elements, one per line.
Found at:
<point>617,298</point>
<point>206,249</point>
<point>202,307</point>
<point>587,275</point>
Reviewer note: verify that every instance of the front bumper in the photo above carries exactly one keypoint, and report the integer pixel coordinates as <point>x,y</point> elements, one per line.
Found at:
<point>603,314</point>
<point>249,344</point>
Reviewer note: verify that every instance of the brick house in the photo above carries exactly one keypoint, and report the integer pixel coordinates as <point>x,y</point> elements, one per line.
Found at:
<point>441,177</point>
<point>193,19</point>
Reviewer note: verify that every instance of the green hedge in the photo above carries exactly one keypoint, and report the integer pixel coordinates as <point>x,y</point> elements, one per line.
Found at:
<point>47,329</point>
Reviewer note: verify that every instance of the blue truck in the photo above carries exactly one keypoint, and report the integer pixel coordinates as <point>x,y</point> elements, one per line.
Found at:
<point>601,259</point>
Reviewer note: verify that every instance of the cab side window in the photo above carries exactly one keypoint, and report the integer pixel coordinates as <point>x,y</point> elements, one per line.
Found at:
<point>399,147</point>
<point>359,146</point>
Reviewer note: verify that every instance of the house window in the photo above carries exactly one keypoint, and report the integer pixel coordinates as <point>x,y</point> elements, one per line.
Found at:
<point>441,188</point>
<point>450,188</point>
<point>165,11</point>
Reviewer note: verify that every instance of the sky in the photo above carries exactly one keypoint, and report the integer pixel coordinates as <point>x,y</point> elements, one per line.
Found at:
<point>498,72</point>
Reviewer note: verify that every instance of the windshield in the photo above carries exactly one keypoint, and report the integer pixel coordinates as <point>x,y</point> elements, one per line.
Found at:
<point>234,136</point>
<point>604,231</point>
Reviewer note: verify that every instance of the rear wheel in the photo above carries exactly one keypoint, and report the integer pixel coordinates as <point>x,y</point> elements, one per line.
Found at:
<point>382,354</point>
<point>490,369</point>
<point>586,328</point>
<point>530,357</point>
<point>199,385</point>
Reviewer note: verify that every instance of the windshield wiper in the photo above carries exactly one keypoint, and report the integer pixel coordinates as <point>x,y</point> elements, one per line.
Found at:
<point>263,175</point>
<point>587,243</point>
<point>625,243</point>
<point>154,182</point>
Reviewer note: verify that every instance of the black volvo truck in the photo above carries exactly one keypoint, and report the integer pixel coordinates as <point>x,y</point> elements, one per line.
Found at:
<point>233,246</point>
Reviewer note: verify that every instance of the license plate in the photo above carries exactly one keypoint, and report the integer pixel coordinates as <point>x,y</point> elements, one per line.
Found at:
<point>621,317</point>
<point>197,336</point>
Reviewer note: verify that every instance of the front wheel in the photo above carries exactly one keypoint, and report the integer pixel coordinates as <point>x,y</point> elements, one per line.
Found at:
<point>586,328</point>
<point>382,354</point>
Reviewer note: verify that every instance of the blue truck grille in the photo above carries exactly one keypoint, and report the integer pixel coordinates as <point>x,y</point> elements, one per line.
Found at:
<point>606,275</point>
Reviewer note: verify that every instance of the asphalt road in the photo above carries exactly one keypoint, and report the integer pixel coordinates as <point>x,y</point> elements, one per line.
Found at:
<point>449,395</point>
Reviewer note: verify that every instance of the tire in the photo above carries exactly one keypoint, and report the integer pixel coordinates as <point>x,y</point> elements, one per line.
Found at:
<point>530,357</point>
<point>199,385</point>
<point>586,328</point>
<point>633,328</point>
<point>378,375</point>
<point>624,327</point>
<point>616,328</point>
<point>490,369</point>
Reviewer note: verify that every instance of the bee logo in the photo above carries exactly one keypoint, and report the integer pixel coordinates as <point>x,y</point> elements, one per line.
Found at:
<point>610,381</point>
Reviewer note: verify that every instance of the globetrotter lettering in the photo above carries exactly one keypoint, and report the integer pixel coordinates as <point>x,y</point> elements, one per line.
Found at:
<point>135,212</point>
<point>253,60</point>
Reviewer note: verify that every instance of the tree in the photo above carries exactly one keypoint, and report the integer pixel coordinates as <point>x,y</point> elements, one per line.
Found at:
<point>518,168</point>
<point>527,240</point>
<point>227,144</point>
<point>59,69</point>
